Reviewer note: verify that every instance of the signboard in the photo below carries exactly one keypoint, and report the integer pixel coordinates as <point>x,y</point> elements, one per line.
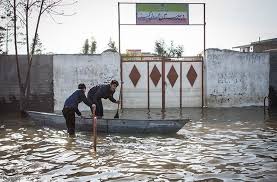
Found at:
<point>162,14</point>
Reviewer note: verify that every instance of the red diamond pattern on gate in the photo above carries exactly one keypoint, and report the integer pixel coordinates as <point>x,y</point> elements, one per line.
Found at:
<point>134,75</point>
<point>191,75</point>
<point>155,75</point>
<point>172,75</point>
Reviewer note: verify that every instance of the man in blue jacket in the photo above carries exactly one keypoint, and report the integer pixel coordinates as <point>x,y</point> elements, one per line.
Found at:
<point>104,91</point>
<point>71,107</point>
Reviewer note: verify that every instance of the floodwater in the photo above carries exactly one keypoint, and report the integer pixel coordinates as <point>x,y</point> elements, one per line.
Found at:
<point>229,144</point>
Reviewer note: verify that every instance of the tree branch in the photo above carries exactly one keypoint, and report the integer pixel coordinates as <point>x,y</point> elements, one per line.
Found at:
<point>9,2</point>
<point>53,18</point>
<point>51,5</point>
<point>27,30</point>
<point>21,17</point>
<point>15,46</point>
<point>33,3</point>
<point>34,45</point>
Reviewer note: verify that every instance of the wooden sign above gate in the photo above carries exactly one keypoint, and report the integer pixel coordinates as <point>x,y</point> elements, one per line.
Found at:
<point>162,14</point>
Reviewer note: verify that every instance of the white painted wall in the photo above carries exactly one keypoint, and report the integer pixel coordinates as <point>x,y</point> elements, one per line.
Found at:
<point>235,79</point>
<point>70,70</point>
<point>230,79</point>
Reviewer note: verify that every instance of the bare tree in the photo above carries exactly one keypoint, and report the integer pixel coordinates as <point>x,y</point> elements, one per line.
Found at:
<point>5,15</point>
<point>2,29</point>
<point>22,12</point>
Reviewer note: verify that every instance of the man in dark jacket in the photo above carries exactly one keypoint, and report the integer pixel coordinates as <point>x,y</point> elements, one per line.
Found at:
<point>104,91</point>
<point>71,106</point>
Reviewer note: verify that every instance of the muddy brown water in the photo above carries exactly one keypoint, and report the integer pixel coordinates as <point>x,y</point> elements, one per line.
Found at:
<point>229,144</point>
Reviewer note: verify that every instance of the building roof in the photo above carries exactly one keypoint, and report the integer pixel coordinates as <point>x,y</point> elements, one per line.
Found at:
<point>274,41</point>
<point>242,46</point>
<point>265,41</point>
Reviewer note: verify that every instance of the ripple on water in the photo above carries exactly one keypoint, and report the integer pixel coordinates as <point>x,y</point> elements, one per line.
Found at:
<point>205,149</point>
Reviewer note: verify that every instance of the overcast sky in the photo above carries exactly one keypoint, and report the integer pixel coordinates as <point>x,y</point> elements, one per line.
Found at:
<point>229,23</point>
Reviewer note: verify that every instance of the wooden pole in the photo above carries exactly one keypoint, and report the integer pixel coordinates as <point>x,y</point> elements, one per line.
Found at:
<point>163,84</point>
<point>94,124</point>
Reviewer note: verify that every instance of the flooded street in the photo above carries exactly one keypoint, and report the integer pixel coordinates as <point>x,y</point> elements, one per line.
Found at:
<point>227,144</point>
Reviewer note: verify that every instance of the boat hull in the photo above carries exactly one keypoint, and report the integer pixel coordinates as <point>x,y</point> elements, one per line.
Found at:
<point>137,126</point>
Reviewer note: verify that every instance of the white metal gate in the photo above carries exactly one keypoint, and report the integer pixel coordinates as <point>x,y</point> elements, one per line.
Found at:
<point>157,82</point>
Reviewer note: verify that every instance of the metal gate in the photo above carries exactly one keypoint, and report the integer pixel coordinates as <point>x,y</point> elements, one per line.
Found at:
<point>159,82</point>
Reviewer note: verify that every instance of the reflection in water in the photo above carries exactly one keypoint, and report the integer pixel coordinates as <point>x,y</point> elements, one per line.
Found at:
<point>218,145</point>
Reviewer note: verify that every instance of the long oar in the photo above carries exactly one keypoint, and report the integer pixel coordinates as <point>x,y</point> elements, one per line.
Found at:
<point>116,115</point>
<point>94,123</point>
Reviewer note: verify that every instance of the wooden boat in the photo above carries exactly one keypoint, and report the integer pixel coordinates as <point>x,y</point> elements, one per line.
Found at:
<point>133,126</point>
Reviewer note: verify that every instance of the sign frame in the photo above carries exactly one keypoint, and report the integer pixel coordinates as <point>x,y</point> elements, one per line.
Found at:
<point>189,24</point>
<point>170,6</point>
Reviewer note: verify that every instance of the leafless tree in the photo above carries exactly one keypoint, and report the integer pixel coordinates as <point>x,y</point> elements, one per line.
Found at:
<point>22,12</point>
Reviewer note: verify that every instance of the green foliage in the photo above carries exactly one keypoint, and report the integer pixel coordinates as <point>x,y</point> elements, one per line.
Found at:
<point>89,48</point>
<point>179,51</point>
<point>160,47</point>
<point>162,50</point>
<point>92,46</point>
<point>85,47</point>
<point>39,47</point>
<point>2,35</point>
<point>171,50</point>
<point>111,45</point>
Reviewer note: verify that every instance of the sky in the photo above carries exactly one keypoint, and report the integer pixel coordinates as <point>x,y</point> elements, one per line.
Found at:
<point>229,23</point>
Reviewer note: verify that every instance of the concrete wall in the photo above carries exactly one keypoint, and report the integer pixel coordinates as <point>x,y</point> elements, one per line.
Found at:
<point>41,88</point>
<point>70,70</point>
<point>231,79</point>
<point>273,80</point>
<point>236,79</point>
